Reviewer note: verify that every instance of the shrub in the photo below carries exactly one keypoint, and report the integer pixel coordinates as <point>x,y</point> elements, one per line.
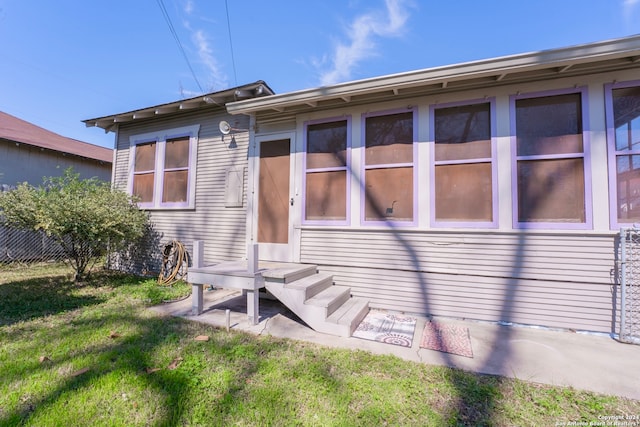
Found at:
<point>86,217</point>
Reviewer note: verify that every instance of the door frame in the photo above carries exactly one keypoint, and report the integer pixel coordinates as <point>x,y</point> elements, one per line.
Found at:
<point>272,251</point>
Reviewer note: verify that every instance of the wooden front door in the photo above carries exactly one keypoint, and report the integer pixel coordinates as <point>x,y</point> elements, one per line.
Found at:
<point>274,200</point>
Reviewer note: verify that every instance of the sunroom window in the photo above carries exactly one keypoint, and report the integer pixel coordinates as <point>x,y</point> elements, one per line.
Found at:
<point>624,115</point>
<point>463,185</point>
<point>550,161</point>
<point>389,168</point>
<point>326,171</point>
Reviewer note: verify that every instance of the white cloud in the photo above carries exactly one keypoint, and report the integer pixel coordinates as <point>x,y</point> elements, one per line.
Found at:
<point>629,9</point>
<point>362,34</point>
<point>188,7</point>
<point>217,78</point>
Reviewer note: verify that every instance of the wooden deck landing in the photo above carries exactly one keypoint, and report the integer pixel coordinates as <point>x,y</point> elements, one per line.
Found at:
<point>238,275</point>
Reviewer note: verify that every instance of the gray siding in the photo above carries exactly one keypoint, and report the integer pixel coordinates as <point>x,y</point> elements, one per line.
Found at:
<point>555,280</point>
<point>221,228</point>
<point>25,163</point>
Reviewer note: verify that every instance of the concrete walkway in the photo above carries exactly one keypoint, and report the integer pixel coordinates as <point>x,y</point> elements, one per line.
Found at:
<point>583,361</point>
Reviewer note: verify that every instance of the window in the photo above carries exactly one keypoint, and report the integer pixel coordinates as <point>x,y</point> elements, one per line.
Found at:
<point>463,191</point>
<point>327,171</point>
<point>550,161</point>
<point>163,168</point>
<point>144,171</point>
<point>389,167</point>
<point>623,131</point>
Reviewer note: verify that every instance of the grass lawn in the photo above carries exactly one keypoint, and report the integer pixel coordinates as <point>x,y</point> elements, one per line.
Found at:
<point>91,355</point>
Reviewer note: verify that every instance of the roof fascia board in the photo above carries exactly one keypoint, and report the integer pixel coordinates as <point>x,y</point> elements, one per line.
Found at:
<point>207,100</point>
<point>564,58</point>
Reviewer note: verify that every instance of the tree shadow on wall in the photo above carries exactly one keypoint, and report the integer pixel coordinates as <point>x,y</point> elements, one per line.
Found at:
<point>142,257</point>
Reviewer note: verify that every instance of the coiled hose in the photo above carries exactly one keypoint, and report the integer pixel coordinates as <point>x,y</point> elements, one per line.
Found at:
<point>175,262</point>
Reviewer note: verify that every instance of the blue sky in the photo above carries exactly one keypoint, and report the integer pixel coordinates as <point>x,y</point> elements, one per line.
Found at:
<point>65,61</point>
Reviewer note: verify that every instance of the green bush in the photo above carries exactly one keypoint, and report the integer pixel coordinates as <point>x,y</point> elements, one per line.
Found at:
<point>85,216</point>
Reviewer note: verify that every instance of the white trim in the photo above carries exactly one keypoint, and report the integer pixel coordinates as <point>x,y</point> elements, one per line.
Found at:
<point>161,137</point>
<point>275,251</point>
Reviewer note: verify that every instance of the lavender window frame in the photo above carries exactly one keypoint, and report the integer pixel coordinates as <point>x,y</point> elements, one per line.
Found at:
<point>137,142</point>
<point>414,151</point>
<point>586,159</point>
<point>612,152</point>
<point>160,138</point>
<point>346,168</point>
<point>493,160</point>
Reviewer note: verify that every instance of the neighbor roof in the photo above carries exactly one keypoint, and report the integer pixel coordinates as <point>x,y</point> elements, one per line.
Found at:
<point>20,131</point>
<point>603,56</point>
<point>210,100</point>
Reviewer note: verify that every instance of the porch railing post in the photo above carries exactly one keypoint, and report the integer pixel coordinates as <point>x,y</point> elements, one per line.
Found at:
<point>197,299</point>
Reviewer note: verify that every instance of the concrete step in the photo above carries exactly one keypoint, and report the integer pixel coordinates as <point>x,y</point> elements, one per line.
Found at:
<point>330,299</point>
<point>311,286</point>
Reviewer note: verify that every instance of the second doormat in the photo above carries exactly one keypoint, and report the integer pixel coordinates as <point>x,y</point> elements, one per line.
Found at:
<point>451,339</point>
<point>387,328</point>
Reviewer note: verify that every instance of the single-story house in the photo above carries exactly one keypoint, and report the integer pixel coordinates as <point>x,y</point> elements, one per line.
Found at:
<point>28,153</point>
<point>490,190</point>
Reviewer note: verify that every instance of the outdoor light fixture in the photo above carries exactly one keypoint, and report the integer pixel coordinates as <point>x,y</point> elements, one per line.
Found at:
<point>226,129</point>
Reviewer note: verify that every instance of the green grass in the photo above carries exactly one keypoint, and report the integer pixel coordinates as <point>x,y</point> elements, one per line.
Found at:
<point>108,364</point>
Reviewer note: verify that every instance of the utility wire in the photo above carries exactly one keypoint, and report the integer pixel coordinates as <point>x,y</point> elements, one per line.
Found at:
<point>177,39</point>
<point>233,61</point>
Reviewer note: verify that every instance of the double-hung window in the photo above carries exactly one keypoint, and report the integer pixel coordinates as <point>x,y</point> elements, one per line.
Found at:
<point>327,171</point>
<point>163,168</point>
<point>389,155</point>
<point>463,171</point>
<point>549,163</point>
<point>623,132</point>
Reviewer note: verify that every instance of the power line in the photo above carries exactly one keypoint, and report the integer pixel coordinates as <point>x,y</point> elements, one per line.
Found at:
<point>177,39</point>
<point>233,61</point>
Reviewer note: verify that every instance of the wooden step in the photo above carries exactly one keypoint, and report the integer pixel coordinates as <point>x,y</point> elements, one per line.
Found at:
<point>312,285</point>
<point>350,313</point>
<point>289,273</point>
<point>330,299</point>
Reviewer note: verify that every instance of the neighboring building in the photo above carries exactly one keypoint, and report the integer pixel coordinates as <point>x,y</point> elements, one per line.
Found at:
<point>490,190</point>
<point>28,153</point>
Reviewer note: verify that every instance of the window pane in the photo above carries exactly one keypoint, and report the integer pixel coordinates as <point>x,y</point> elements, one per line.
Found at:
<point>327,145</point>
<point>551,191</point>
<point>549,125</point>
<point>463,132</point>
<point>175,186</point>
<point>145,157</point>
<point>326,196</point>
<point>626,115</point>
<point>143,187</point>
<point>628,180</point>
<point>389,139</point>
<point>463,192</point>
<point>389,194</point>
<point>176,153</point>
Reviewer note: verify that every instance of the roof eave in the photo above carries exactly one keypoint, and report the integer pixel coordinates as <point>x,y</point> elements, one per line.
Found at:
<point>496,69</point>
<point>219,99</point>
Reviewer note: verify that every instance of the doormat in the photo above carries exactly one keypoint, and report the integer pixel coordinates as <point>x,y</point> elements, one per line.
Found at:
<point>447,338</point>
<point>387,328</point>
